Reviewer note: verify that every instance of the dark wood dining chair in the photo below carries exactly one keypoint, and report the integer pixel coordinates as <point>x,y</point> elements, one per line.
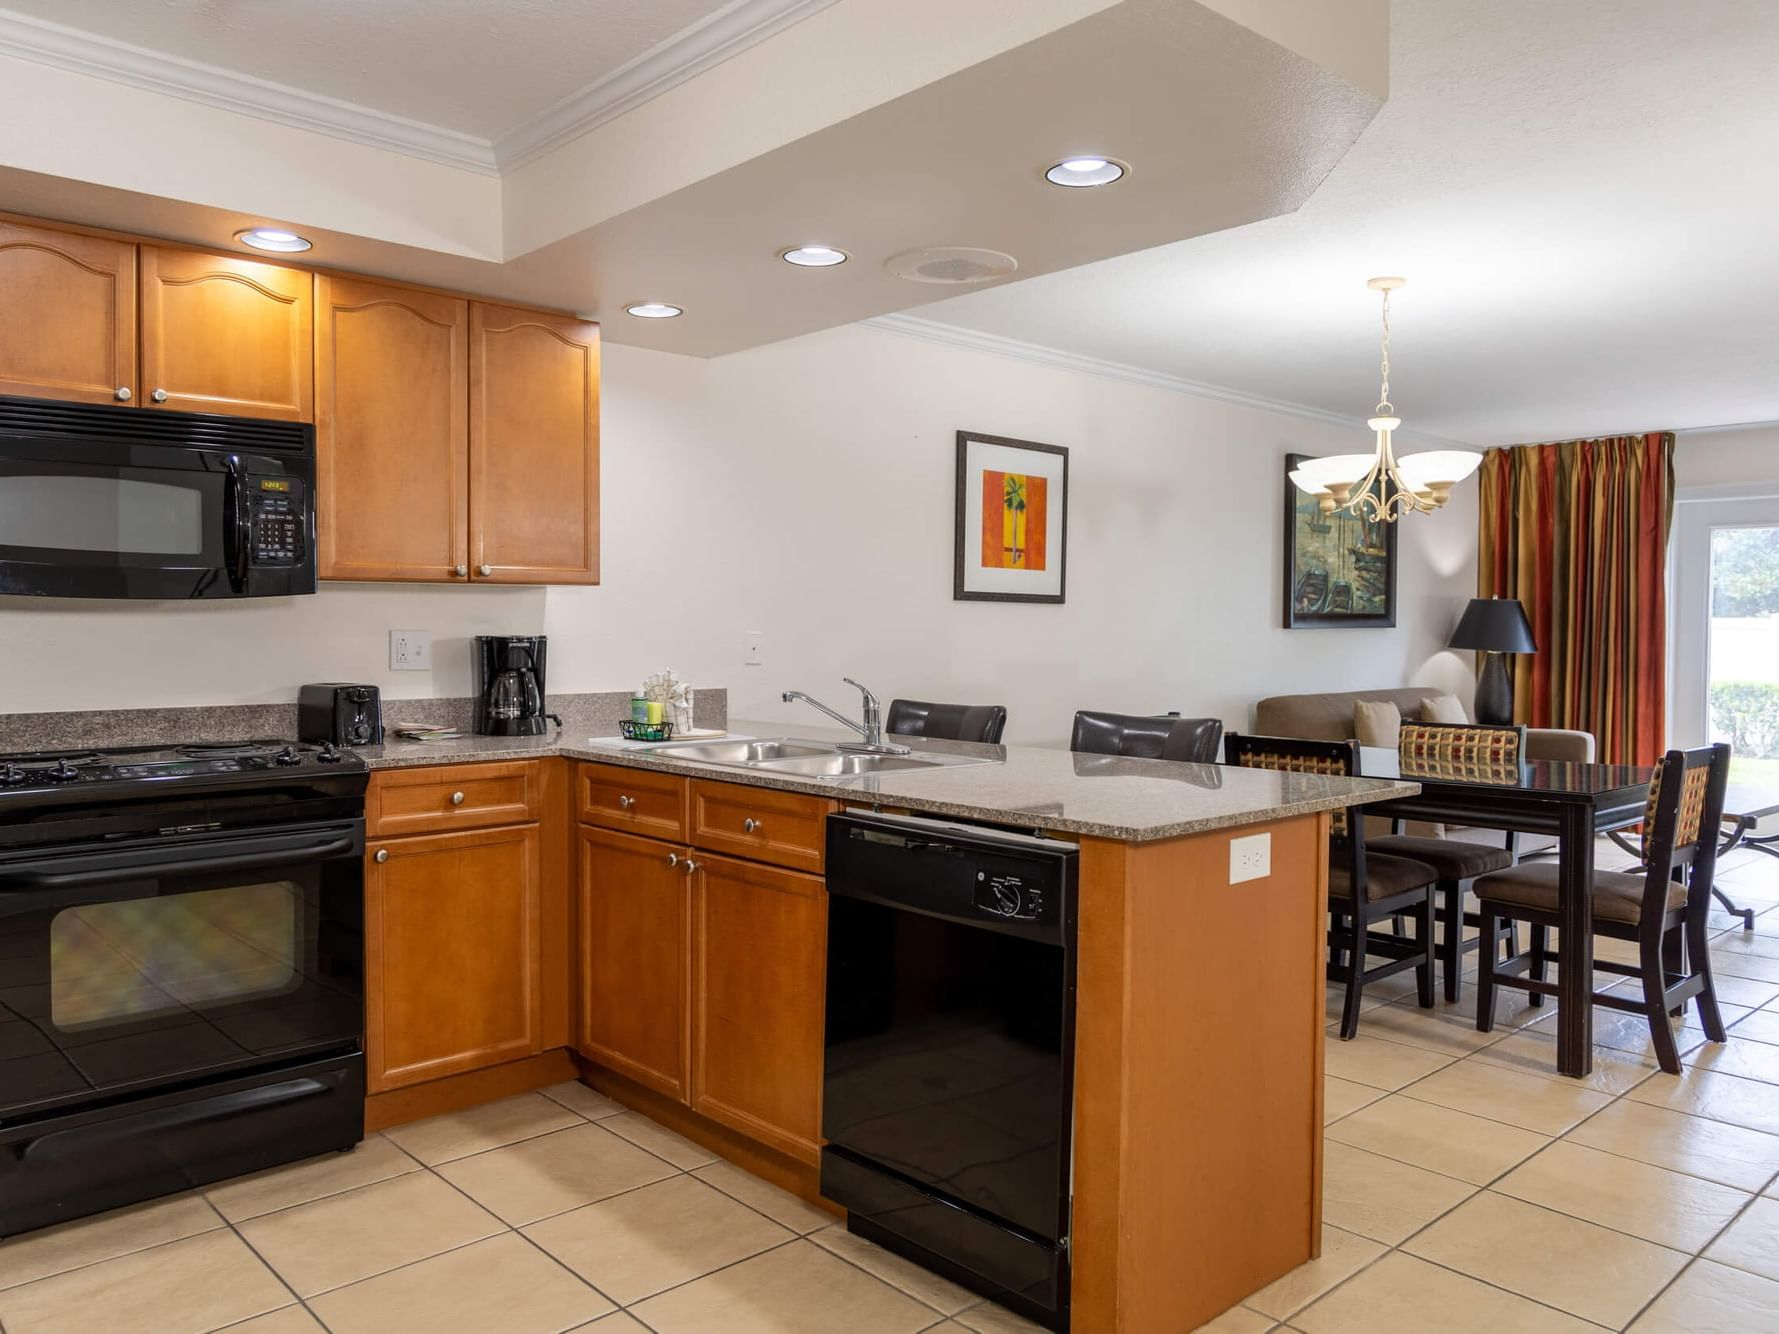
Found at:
<point>1662,909</point>
<point>1165,736</point>
<point>947,722</point>
<point>1464,751</point>
<point>1364,888</point>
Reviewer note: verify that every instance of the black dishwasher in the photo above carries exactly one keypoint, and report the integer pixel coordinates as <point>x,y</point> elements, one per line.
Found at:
<point>947,1083</point>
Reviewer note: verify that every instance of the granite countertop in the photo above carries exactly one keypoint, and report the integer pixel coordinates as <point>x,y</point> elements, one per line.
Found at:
<point>1133,801</point>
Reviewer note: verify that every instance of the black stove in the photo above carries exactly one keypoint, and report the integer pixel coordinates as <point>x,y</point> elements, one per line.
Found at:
<point>181,968</point>
<point>32,771</point>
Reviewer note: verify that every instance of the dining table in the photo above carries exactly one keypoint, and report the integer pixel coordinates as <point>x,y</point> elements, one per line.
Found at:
<point>1572,801</point>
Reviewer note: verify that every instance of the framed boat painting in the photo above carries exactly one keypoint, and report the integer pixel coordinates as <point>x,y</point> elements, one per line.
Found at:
<point>1012,519</point>
<point>1340,568</point>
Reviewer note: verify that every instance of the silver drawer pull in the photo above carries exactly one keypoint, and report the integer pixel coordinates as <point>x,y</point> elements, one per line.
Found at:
<point>752,826</point>
<point>625,803</point>
<point>382,854</point>
<point>673,859</point>
<point>159,396</point>
<point>690,866</point>
<point>457,798</point>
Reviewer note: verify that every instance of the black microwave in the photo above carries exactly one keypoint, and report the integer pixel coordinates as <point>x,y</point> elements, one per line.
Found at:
<point>113,502</point>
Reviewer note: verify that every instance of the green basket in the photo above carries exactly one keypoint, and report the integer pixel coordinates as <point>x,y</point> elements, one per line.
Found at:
<point>635,731</point>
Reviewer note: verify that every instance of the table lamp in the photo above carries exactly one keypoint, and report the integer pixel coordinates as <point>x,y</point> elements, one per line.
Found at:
<point>1493,627</point>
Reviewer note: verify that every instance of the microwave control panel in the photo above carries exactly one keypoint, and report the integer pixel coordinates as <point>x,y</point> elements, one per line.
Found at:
<point>277,522</point>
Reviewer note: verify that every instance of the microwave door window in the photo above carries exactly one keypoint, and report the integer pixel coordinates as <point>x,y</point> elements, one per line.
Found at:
<point>117,515</point>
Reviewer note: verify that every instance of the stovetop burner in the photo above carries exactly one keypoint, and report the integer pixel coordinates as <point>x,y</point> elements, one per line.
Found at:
<point>27,772</point>
<point>231,749</point>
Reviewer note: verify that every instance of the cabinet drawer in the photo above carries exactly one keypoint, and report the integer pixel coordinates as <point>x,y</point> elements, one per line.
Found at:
<point>785,828</point>
<point>633,801</point>
<point>452,796</point>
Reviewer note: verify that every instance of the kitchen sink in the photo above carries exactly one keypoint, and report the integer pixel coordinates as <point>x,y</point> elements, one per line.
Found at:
<point>812,759</point>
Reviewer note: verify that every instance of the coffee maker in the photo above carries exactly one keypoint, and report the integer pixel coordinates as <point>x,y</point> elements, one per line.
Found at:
<point>510,685</point>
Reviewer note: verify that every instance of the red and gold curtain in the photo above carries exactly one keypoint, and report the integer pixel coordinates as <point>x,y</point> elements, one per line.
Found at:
<point>1578,532</point>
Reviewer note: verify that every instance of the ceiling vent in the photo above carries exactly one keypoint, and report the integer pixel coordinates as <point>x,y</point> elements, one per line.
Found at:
<point>954,264</point>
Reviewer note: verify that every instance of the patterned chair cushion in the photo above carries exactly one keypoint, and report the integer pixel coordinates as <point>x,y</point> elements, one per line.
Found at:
<point>1692,806</point>
<point>1463,753</point>
<point>1618,896</point>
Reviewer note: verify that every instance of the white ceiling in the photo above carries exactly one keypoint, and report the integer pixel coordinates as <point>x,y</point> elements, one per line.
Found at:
<point>1584,199</point>
<point>479,67</point>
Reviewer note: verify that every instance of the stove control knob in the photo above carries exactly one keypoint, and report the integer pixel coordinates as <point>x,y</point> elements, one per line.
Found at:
<point>63,773</point>
<point>288,756</point>
<point>13,776</point>
<point>329,753</point>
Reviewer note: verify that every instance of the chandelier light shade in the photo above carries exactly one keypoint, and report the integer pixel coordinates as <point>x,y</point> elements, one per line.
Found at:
<point>1378,485</point>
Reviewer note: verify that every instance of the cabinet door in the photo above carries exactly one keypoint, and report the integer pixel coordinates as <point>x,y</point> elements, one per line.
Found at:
<point>391,432</point>
<point>452,940</point>
<point>634,915</point>
<point>67,316</point>
<point>758,996</point>
<point>534,448</point>
<point>221,334</point>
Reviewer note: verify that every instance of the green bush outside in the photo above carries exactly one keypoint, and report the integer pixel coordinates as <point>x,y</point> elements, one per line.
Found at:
<point>1746,714</point>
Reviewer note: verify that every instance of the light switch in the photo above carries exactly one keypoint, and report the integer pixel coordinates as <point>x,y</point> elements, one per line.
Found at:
<point>1250,858</point>
<point>752,654</point>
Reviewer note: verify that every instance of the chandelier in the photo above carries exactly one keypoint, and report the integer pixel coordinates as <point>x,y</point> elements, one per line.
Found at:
<point>1379,485</point>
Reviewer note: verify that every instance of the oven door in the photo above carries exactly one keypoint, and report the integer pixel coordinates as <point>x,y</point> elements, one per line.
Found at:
<point>116,519</point>
<point>129,969</point>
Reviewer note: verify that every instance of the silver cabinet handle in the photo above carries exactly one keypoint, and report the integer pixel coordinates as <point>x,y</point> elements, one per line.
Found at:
<point>382,854</point>
<point>673,859</point>
<point>457,798</point>
<point>123,393</point>
<point>752,826</point>
<point>159,396</point>
<point>625,803</point>
<point>691,866</point>
<point>461,571</point>
<point>484,570</point>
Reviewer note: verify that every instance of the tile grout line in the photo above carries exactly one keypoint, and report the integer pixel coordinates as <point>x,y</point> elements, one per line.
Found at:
<point>270,1268</point>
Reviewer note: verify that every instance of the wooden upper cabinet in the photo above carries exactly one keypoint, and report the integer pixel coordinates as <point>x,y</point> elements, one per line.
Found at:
<point>67,316</point>
<point>391,432</point>
<point>534,447</point>
<point>222,334</point>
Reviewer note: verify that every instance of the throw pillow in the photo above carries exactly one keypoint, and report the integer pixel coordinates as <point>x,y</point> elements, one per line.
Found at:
<point>1443,709</point>
<point>1377,722</point>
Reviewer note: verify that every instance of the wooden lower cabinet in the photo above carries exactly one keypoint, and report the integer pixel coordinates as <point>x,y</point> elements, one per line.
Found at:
<point>635,899</point>
<point>453,947</point>
<point>759,981</point>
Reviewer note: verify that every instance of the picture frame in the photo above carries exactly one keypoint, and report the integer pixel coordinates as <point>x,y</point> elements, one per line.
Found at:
<point>1340,569</point>
<point>1012,520</point>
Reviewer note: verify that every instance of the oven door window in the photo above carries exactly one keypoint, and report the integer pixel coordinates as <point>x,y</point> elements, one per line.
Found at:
<point>147,981</point>
<point>110,963</point>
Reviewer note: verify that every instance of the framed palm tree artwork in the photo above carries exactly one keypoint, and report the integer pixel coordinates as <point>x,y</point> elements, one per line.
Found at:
<point>1012,519</point>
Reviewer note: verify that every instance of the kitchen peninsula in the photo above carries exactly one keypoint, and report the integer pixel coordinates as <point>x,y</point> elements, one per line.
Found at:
<point>699,922</point>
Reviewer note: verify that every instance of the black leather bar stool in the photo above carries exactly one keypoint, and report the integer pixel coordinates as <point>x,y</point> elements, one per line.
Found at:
<point>1148,737</point>
<point>947,722</point>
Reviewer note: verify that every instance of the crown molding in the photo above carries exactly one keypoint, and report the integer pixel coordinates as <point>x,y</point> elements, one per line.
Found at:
<point>684,56</point>
<point>136,67</point>
<point>934,331</point>
<point>687,54</point>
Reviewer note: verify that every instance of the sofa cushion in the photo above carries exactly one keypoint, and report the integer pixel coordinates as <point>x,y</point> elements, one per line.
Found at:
<point>1443,709</point>
<point>1329,717</point>
<point>1377,722</point>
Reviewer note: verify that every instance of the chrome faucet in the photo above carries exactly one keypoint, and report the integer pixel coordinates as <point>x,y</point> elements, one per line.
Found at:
<point>872,727</point>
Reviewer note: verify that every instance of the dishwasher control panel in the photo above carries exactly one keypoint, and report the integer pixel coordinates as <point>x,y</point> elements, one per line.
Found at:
<point>1008,894</point>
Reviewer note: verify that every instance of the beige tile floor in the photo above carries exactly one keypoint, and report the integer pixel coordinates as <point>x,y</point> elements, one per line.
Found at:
<point>1469,1187</point>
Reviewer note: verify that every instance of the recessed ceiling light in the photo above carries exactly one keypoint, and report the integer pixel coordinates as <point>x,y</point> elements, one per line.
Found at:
<point>1079,172</point>
<point>271,238</point>
<point>653,310</point>
<point>813,256</point>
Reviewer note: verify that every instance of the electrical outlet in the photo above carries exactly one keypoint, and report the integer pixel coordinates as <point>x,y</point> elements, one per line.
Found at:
<point>1250,858</point>
<point>751,652</point>
<point>410,650</point>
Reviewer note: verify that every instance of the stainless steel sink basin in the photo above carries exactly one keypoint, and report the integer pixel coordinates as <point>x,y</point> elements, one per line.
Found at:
<point>811,759</point>
<point>749,753</point>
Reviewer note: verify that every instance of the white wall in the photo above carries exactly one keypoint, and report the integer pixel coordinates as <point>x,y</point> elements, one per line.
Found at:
<point>1727,455</point>
<point>805,490</point>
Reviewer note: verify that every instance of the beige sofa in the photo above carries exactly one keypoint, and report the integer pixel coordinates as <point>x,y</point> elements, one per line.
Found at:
<point>1329,717</point>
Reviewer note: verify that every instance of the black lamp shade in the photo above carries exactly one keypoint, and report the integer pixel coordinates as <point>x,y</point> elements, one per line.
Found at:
<point>1494,625</point>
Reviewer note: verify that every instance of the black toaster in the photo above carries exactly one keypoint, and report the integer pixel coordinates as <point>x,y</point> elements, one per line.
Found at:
<point>347,715</point>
